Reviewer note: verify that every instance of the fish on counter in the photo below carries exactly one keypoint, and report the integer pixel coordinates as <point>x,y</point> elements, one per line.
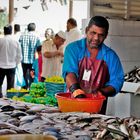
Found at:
<point>25,118</point>
<point>133,75</point>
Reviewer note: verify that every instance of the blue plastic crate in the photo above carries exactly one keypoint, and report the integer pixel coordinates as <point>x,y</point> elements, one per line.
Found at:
<point>53,88</point>
<point>18,94</point>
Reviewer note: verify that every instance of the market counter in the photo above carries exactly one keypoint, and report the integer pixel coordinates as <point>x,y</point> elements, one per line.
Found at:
<point>126,103</point>
<point>25,118</point>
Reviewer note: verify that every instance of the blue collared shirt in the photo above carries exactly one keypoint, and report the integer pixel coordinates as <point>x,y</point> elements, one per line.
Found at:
<point>75,51</point>
<point>29,43</point>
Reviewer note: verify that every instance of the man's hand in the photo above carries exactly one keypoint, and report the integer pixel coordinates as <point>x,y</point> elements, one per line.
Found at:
<point>99,93</point>
<point>32,73</point>
<point>78,93</point>
<point>60,54</point>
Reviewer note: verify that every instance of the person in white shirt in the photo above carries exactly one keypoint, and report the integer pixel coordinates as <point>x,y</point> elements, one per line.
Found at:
<point>19,79</point>
<point>72,33</point>
<point>10,57</point>
<point>17,32</point>
<point>52,55</point>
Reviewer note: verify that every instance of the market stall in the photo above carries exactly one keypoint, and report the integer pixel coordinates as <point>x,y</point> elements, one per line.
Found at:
<point>18,117</point>
<point>40,111</point>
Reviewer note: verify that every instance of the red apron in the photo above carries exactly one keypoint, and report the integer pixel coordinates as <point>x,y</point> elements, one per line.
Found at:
<point>98,77</point>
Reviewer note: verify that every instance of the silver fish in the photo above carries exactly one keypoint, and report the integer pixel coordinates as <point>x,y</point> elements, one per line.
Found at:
<point>7,131</point>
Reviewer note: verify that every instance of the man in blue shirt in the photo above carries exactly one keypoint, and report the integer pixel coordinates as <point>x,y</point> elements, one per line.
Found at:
<point>29,42</point>
<point>92,67</point>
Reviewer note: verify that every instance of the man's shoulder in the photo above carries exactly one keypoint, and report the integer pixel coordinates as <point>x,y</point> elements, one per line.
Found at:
<point>77,45</point>
<point>33,34</point>
<point>108,50</point>
<point>76,31</point>
<point>23,35</point>
<point>9,37</point>
<point>29,35</point>
<point>47,42</point>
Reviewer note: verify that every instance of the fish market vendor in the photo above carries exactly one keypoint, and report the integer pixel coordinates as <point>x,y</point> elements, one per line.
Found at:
<point>92,67</point>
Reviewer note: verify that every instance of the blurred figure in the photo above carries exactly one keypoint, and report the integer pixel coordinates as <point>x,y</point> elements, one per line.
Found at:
<point>17,32</point>
<point>72,33</point>
<point>49,34</point>
<point>10,57</point>
<point>37,66</point>
<point>39,62</point>
<point>29,42</point>
<point>19,79</point>
<point>52,55</point>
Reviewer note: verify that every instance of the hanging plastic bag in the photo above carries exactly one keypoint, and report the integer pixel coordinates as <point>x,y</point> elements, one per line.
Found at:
<point>19,79</point>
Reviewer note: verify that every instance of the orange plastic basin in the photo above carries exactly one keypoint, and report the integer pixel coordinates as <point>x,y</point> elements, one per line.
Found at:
<point>91,103</point>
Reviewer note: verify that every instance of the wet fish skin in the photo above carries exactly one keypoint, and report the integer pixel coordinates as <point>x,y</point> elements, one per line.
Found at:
<point>101,134</point>
<point>7,108</point>
<point>124,129</point>
<point>28,118</point>
<point>14,121</point>
<point>84,137</point>
<point>17,114</point>
<point>4,117</point>
<point>7,131</point>
<point>117,132</point>
<point>5,125</point>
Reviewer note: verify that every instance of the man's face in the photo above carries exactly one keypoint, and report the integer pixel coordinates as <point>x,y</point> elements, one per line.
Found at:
<point>68,26</point>
<point>59,41</point>
<point>95,36</point>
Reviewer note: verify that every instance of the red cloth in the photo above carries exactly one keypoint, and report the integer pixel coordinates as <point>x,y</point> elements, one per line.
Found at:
<point>39,67</point>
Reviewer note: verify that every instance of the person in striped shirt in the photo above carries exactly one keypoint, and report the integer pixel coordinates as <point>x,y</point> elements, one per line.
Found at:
<point>29,43</point>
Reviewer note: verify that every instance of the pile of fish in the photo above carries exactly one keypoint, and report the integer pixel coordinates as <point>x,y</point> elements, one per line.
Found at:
<point>133,75</point>
<point>26,118</point>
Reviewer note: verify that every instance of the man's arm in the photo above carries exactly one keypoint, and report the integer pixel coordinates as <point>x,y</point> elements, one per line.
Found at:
<point>71,79</point>
<point>108,91</point>
<point>52,54</point>
<point>74,86</point>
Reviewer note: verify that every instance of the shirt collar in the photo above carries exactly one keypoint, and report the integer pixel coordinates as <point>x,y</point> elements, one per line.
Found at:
<point>73,29</point>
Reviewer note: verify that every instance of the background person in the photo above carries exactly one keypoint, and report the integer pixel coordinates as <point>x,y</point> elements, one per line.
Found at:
<point>29,42</point>
<point>37,66</point>
<point>52,55</point>
<point>19,79</point>
<point>10,57</point>
<point>72,32</point>
<point>17,32</point>
<point>92,67</point>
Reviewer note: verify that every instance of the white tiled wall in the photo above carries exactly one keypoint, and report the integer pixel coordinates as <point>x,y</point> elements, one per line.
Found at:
<point>124,38</point>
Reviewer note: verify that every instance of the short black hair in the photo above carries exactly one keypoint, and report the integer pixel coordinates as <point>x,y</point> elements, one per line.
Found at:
<point>31,27</point>
<point>99,21</point>
<point>16,27</point>
<point>72,21</point>
<point>7,29</point>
